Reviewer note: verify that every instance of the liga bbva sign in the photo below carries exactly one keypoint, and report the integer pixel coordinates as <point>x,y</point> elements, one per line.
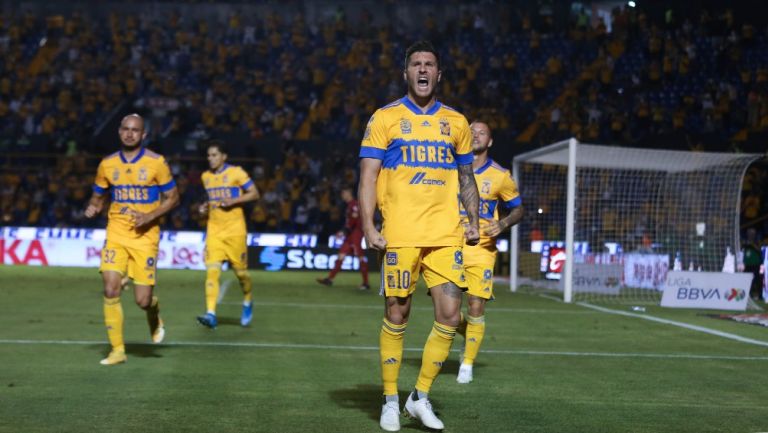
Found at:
<point>710,290</point>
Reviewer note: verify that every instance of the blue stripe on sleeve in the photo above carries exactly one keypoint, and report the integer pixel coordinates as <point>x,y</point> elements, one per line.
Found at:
<point>464,159</point>
<point>168,186</point>
<point>515,202</point>
<point>99,190</point>
<point>247,185</point>
<point>371,152</point>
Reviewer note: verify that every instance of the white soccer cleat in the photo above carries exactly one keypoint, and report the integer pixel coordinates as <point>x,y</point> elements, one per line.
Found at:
<point>115,357</point>
<point>158,334</point>
<point>465,374</point>
<point>421,410</point>
<point>390,416</point>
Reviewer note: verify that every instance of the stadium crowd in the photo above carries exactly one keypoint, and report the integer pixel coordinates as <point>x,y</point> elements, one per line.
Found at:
<point>620,80</point>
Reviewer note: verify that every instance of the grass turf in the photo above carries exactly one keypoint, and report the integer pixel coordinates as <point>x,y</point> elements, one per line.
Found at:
<point>309,362</point>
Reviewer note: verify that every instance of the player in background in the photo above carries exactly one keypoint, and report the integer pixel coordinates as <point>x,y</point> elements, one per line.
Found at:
<point>228,187</point>
<point>415,161</point>
<point>142,190</point>
<point>496,187</point>
<point>353,236</point>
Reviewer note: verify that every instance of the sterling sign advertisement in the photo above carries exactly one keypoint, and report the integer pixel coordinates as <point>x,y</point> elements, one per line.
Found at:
<point>43,246</point>
<point>710,290</point>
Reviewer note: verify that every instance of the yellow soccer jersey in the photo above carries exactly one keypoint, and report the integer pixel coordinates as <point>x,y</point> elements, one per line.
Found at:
<point>495,184</point>
<point>228,182</point>
<point>134,185</point>
<point>418,186</point>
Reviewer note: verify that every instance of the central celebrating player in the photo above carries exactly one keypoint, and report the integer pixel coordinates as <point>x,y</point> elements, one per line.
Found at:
<point>228,187</point>
<point>353,237</point>
<point>496,185</point>
<point>416,160</point>
<point>142,190</point>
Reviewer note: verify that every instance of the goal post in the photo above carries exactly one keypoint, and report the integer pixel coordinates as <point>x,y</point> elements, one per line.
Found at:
<point>625,215</point>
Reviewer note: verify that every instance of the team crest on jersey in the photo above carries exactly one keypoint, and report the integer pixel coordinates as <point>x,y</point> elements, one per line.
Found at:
<point>485,188</point>
<point>487,274</point>
<point>458,258</point>
<point>142,174</point>
<point>115,175</point>
<point>392,259</point>
<point>445,127</point>
<point>405,126</point>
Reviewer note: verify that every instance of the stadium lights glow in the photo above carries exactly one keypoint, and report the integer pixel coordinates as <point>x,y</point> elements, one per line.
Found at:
<point>541,210</point>
<point>631,4</point>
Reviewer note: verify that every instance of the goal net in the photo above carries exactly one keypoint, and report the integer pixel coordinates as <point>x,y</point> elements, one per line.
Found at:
<point>626,216</point>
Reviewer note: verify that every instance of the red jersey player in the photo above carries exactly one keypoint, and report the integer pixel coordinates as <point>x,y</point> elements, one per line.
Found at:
<point>353,236</point>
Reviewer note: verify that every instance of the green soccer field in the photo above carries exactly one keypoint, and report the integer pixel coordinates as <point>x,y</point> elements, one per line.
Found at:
<point>309,363</point>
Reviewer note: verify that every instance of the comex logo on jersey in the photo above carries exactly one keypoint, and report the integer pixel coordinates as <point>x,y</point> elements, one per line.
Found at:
<point>419,179</point>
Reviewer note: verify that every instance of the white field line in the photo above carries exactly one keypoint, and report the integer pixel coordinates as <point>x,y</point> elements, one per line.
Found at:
<point>376,349</point>
<point>257,304</point>
<point>697,328</point>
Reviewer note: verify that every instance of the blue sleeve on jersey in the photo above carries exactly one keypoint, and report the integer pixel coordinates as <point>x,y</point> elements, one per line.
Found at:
<point>99,190</point>
<point>247,185</point>
<point>513,203</point>
<point>464,159</point>
<point>168,186</point>
<point>372,152</point>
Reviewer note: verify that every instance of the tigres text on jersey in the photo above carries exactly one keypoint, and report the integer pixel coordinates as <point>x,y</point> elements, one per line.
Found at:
<point>418,186</point>
<point>134,185</point>
<point>228,182</point>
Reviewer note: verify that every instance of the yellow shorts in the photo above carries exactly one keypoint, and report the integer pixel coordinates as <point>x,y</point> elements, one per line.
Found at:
<point>231,249</point>
<point>478,265</point>
<point>401,267</point>
<point>140,264</point>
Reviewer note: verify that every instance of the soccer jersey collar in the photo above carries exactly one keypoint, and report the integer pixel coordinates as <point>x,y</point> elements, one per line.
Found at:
<point>484,166</point>
<point>136,158</point>
<point>416,110</point>
<point>223,167</point>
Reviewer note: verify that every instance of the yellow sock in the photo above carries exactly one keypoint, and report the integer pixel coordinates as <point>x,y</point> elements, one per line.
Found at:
<point>212,288</point>
<point>435,353</point>
<point>462,329</point>
<point>475,333</point>
<point>245,283</point>
<point>391,351</point>
<point>153,314</point>
<point>113,318</point>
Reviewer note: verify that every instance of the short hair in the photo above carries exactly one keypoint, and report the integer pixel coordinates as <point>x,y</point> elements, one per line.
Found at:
<point>421,46</point>
<point>490,131</point>
<point>218,144</point>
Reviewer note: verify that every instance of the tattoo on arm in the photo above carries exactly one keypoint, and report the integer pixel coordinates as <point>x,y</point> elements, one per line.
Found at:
<point>470,198</point>
<point>450,289</point>
<point>512,218</point>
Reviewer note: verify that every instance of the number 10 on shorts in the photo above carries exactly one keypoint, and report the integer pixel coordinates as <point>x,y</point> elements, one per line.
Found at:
<point>399,280</point>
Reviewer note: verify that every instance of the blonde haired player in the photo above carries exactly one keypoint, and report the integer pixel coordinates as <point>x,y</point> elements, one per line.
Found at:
<point>415,164</point>
<point>228,187</point>
<point>142,190</point>
<point>496,187</point>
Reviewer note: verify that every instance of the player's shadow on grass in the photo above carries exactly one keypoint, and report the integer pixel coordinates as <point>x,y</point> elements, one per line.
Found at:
<point>364,397</point>
<point>368,399</point>
<point>229,321</point>
<point>143,350</point>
